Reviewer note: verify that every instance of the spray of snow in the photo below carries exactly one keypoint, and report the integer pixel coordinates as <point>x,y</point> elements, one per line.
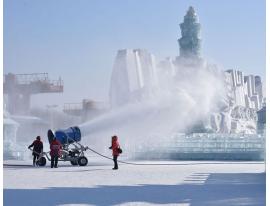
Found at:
<point>177,103</point>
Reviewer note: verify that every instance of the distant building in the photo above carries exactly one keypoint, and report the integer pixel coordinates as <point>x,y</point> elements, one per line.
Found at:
<point>92,109</point>
<point>86,110</point>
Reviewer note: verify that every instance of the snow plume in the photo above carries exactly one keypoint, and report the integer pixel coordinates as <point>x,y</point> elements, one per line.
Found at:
<point>180,101</point>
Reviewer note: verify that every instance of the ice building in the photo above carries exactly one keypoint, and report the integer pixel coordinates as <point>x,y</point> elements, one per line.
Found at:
<point>245,99</point>
<point>133,75</point>
<point>243,94</point>
<point>246,90</point>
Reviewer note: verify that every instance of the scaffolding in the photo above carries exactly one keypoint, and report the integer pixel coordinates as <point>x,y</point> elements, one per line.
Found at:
<point>20,87</point>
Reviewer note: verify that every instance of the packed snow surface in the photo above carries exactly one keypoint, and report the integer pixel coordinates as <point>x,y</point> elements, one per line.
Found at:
<point>187,183</point>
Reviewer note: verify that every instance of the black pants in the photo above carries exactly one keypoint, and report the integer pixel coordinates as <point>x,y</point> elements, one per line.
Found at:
<point>115,161</point>
<point>35,157</point>
<point>54,161</point>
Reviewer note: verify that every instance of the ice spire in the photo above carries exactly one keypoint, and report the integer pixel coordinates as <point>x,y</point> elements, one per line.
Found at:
<point>190,42</point>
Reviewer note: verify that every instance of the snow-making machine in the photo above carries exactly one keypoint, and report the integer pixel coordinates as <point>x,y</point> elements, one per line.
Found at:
<point>71,150</point>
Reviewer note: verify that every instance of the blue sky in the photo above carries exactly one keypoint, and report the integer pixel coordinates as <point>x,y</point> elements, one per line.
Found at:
<point>78,39</point>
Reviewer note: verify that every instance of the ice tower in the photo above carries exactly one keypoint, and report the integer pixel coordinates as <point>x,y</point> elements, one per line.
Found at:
<point>190,42</point>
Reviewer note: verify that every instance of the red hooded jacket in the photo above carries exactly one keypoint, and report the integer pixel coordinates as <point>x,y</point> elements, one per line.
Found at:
<point>55,148</point>
<point>115,146</point>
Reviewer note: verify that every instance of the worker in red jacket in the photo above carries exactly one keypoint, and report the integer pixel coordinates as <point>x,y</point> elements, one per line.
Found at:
<point>37,149</point>
<point>55,152</point>
<point>115,147</point>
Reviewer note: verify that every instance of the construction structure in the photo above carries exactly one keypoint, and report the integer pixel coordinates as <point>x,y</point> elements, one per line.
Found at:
<point>87,109</point>
<point>20,87</point>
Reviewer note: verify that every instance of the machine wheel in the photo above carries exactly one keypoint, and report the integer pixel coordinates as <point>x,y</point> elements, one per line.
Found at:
<point>74,162</point>
<point>82,161</point>
<point>41,162</point>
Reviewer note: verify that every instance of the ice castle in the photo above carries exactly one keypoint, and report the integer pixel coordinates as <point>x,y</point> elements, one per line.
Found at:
<point>136,76</point>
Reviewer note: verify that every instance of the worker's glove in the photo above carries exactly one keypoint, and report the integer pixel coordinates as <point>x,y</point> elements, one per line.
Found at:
<point>28,147</point>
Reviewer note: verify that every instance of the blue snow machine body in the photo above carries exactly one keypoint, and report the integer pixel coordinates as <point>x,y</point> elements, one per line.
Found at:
<point>71,150</point>
<point>66,136</point>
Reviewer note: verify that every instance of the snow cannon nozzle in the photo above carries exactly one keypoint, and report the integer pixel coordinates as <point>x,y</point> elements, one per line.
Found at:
<point>65,136</point>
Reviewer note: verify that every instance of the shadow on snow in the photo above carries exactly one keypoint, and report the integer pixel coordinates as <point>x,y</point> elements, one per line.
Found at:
<point>216,189</point>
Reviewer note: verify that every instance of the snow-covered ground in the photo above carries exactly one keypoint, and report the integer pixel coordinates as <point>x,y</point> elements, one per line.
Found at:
<point>188,183</point>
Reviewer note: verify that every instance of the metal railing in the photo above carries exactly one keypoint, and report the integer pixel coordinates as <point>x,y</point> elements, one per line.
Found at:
<point>35,77</point>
